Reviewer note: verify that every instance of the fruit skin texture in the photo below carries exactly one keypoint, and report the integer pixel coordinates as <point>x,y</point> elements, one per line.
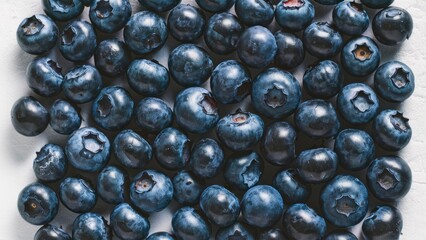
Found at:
<point>350,18</point>
<point>91,226</point>
<point>44,77</point>
<point>112,185</point>
<point>153,114</point>
<point>360,56</point>
<point>187,188</point>
<point>323,80</point>
<point>235,230</point>
<point>291,187</point>
<point>147,77</point>
<point>294,18</point>
<point>110,16</point>
<point>186,23</point>
<point>207,158</point>
<point>132,150</point>
<point>275,93</point>
<point>321,40</point>
<point>340,235</point>
<point>290,52</point>
<point>215,6</point>
<point>384,222</point>
<point>62,10</point>
<point>377,4</point>
<point>328,2</point>
<point>127,223</point>
<point>112,57</point>
<point>303,223</point>
<point>51,232</point>
<point>77,195</point>
<point>344,201</point>
<point>243,170</point>
<point>82,84</point>
<point>172,149</point>
<point>78,41</point>
<point>278,143</point>
<point>29,117</point>
<point>64,118</point>
<point>38,204</point>
<point>159,5</point>
<point>188,224</point>
<point>389,178</point>
<point>51,163</point>
<point>151,191</point>
<point>316,165</point>
<point>392,26</point>
<point>272,234</point>
<point>252,12</point>
<point>160,236</point>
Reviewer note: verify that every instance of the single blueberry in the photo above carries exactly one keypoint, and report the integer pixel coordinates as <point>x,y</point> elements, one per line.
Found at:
<point>62,10</point>
<point>323,80</point>
<point>188,224</point>
<point>77,194</point>
<point>159,5</point>
<point>215,6</point>
<point>132,150</point>
<point>160,236</point>
<point>316,165</point>
<point>290,52</point>
<point>153,114</point>
<point>187,188</point>
<point>91,226</point>
<point>291,186</point>
<point>294,15</point>
<point>350,18</point>
<point>148,78</point>
<point>278,143</point>
<point>82,84</point>
<point>78,41</point>
<point>302,223</point>
<point>110,15</point>
<point>51,232</point>
<point>254,12</point>
<point>172,149</point>
<point>128,224</point>
<point>44,77</point>
<point>186,23</point>
<point>243,170</point>
<point>341,235</point>
<point>112,185</point>
<point>64,118</point>
<point>360,56</point>
<point>235,231</point>
<point>207,158</point>
<point>377,4</point>
<point>321,40</point>
<point>384,222</point>
<point>51,163</point>
<point>29,116</point>
<point>112,57</point>
<point>271,234</point>
<point>392,26</point>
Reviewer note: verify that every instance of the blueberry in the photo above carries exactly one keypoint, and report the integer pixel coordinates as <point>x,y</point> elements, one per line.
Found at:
<point>86,2</point>
<point>321,40</point>
<point>254,12</point>
<point>235,231</point>
<point>148,78</point>
<point>394,81</point>
<point>88,149</point>
<point>384,222</point>
<point>316,165</point>
<point>91,226</point>
<point>328,2</point>
<point>215,6</point>
<point>112,57</point>
<point>112,185</point>
<point>391,130</point>
<point>37,34</point>
<point>110,15</point>
<point>38,204</point>
<point>145,32</point>
<point>64,118</point>
<point>151,191</point>
<point>344,201</point>
<point>303,223</point>
<point>207,158</point>
<point>172,149</point>
<point>223,32</point>
<point>190,65</point>
<point>240,131</point>
<point>275,93</point>
<point>132,150</point>
<point>188,224</point>
<point>357,103</point>
<point>159,5</point>
<point>127,223</point>
<point>77,194</point>
<point>272,234</point>
<point>291,186</point>
<point>113,108</point>
<point>278,143</point>
<point>62,10</point>
<point>243,170</point>
<point>51,232</point>
<point>317,119</point>
<point>262,206</point>
<point>51,163</point>
<point>186,23</point>
<point>195,110</point>
<point>350,18</point>
<point>187,188</point>
<point>78,41</point>
<point>153,115</point>
<point>257,47</point>
<point>392,26</point>
<point>376,4</point>
<point>82,84</point>
<point>44,77</point>
<point>389,178</point>
<point>340,235</point>
<point>160,236</point>
<point>323,80</point>
<point>360,56</point>
<point>294,15</point>
<point>29,117</point>
<point>290,52</point>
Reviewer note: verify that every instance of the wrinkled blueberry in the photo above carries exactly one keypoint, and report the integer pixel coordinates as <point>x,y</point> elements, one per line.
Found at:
<point>51,163</point>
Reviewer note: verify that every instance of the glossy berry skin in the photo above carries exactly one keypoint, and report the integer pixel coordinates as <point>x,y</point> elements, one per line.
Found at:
<point>275,93</point>
<point>262,206</point>
<point>29,116</point>
<point>257,47</point>
<point>64,118</point>
<point>221,206</point>
<point>278,144</point>
<point>112,185</point>
<point>230,82</point>
<point>391,130</point>
<point>110,16</point>
<point>207,158</point>
<point>186,23</point>
<point>272,234</point>
<point>159,5</point>
<point>222,33</point>
<point>316,165</point>
<point>293,15</point>
<point>392,26</point>
<point>360,56</point>
<point>113,108</point>
<point>291,186</point>
<point>302,222</point>
<point>187,188</point>
<point>357,103</point>
<point>344,201</point>
<point>77,194</point>
<point>240,131</point>
<point>172,149</point>
<point>350,18</point>
<point>190,65</point>
<point>243,170</point>
<point>112,57</point>
<point>88,149</point>
<point>251,12</point>
<point>37,34</point>
<point>153,114</point>
<point>354,148</point>
<point>188,224</point>
<point>91,226</point>
<point>215,6</point>
<point>236,230</point>
<point>394,81</point>
<point>147,77</point>
<point>37,204</point>
<point>328,2</point>
<point>160,236</point>
<point>51,232</point>
<point>127,223</point>
<point>82,84</point>
<point>51,163</point>
<point>377,4</point>
<point>78,41</point>
<point>132,150</point>
<point>62,10</point>
<point>44,77</point>
<point>321,40</point>
<point>317,119</point>
<point>389,178</point>
<point>340,235</point>
<point>195,110</point>
<point>384,222</point>
<point>151,191</point>
<point>290,52</point>
<point>323,80</point>
<point>145,32</point>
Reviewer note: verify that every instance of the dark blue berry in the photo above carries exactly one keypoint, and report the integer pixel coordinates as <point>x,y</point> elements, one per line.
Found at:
<point>51,232</point>
<point>160,236</point>
<point>350,18</point>
<point>44,77</point>
<point>207,158</point>
<point>188,224</point>
<point>78,41</point>
<point>340,235</point>
<point>63,10</point>
<point>215,6</point>
<point>29,116</point>
<point>272,234</point>
<point>148,78</point>
<point>159,5</point>
<point>187,188</point>
<point>82,84</point>
<point>290,52</point>
<point>377,4</point>
<point>360,56</point>
<point>254,12</point>
<point>186,23</point>
<point>91,226</point>
<point>77,194</point>
<point>294,15</point>
<point>153,115</point>
<point>243,170</point>
<point>112,185</point>
<point>302,223</point>
<point>51,163</point>
<point>235,231</point>
<point>316,165</point>
<point>112,57</point>
<point>128,224</point>
<point>132,150</point>
<point>392,26</point>
<point>321,40</point>
<point>278,143</point>
<point>384,222</point>
<point>64,118</point>
<point>291,187</point>
<point>110,15</point>
<point>172,148</point>
<point>323,80</point>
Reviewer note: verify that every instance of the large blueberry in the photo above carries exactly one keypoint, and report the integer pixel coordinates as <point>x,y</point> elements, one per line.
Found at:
<point>112,57</point>
<point>147,77</point>
<point>294,15</point>
<point>159,5</point>
<point>128,224</point>
<point>91,226</point>
<point>51,163</point>
<point>44,77</point>
<point>215,5</point>
<point>172,148</point>
<point>316,165</point>
<point>77,194</point>
<point>132,150</point>
<point>186,23</point>
<point>110,15</point>
<point>383,223</point>
<point>62,10</point>
<point>187,224</point>
<point>341,235</point>
<point>243,170</point>
<point>254,12</point>
<point>360,56</point>
<point>78,41</point>
<point>376,4</point>
<point>290,52</point>
<point>153,115</point>
<point>29,116</point>
<point>291,186</point>
<point>64,118</point>
<point>350,18</point>
<point>302,223</point>
<point>321,40</point>
<point>187,188</point>
<point>51,232</point>
<point>112,185</point>
<point>235,231</point>
<point>207,158</point>
<point>82,84</point>
<point>392,25</point>
<point>160,236</point>
<point>278,143</point>
<point>323,80</point>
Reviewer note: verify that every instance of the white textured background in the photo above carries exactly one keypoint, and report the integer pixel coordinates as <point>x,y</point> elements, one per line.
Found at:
<point>17,152</point>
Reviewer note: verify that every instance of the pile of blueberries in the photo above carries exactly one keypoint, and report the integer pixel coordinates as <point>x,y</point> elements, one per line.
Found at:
<point>142,155</point>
